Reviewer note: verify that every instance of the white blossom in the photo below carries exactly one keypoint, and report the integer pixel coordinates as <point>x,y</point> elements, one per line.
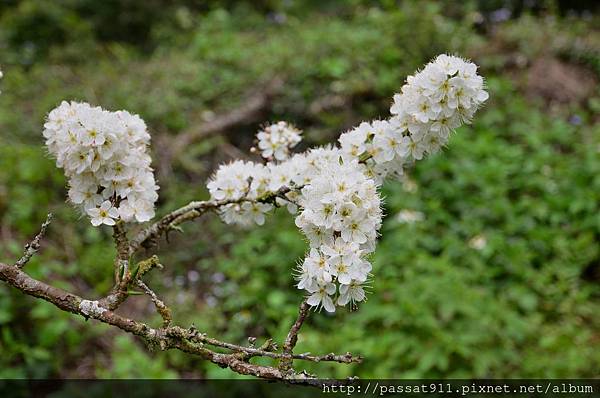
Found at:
<point>340,216</point>
<point>333,191</point>
<point>320,296</point>
<point>276,140</point>
<point>351,293</point>
<point>432,104</point>
<point>437,100</point>
<point>104,156</point>
<point>103,214</point>
<point>241,180</point>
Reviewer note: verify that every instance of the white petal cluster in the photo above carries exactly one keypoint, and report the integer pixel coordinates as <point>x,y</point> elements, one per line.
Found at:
<point>276,140</point>
<point>334,191</point>
<point>340,216</point>
<point>241,180</point>
<point>246,184</point>
<point>437,100</point>
<point>1,76</point>
<point>380,147</point>
<point>104,156</point>
<point>302,168</point>
<point>433,102</point>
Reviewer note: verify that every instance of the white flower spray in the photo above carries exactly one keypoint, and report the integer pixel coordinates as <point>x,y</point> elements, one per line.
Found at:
<point>332,190</point>
<point>104,156</point>
<point>335,190</point>
<point>432,104</point>
<point>276,140</point>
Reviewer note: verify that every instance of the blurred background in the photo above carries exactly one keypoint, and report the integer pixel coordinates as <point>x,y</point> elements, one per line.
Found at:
<point>489,261</point>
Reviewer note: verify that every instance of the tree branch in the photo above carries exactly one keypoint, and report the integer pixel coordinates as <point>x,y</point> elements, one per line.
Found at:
<point>32,247</point>
<point>118,293</point>
<point>171,337</point>
<point>161,307</point>
<point>249,111</point>
<point>267,350</point>
<point>191,211</point>
<point>292,337</point>
<point>188,212</point>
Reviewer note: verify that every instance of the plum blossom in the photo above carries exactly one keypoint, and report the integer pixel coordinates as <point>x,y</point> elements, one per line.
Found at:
<point>104,157</point>
<point>334,191</point>
<point>276,140</point>
<point>104,214</point>
<point>431,105</point>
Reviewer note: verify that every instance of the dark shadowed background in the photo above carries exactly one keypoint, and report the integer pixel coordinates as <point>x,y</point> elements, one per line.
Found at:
<point>489,263</point>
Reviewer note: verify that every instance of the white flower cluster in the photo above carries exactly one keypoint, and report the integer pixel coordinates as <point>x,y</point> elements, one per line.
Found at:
<point>383,149</point>
<point>341,216</point>
<point>242,183</point>
<point>437,100</point>
<point>248,185</point>
<point>104,157</point>
<point>1,76</point>
<point>276,140</point>
<point>434,102</point>
<point>335,189</point>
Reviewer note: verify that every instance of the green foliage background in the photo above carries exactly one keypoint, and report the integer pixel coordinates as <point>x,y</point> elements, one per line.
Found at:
<point>523,181</point>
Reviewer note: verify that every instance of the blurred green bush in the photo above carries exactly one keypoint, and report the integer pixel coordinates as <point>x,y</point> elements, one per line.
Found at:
<point>497,277</point>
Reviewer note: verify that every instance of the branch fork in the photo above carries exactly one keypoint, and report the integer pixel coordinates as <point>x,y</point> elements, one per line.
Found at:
<point>169,336</point>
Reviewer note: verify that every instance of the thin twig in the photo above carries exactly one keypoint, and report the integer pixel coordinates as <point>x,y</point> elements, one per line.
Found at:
<point>188,212</point>
<point>122,273</point>
<point>191,211</point>
<point>266,351</point>
<point>122,246</point>
<point>161,307</point>
<point>32,247</point>
<point>292,337</point>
